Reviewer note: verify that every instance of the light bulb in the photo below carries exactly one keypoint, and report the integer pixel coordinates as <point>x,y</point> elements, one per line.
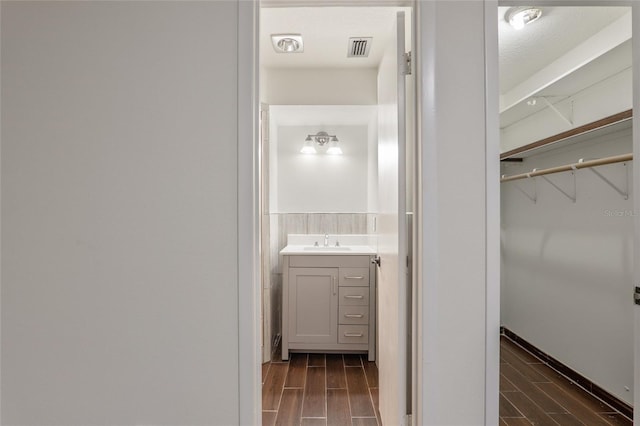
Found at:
<point>308,147</point>
<point>288,45</point>
<point>519,17</point>
<point>334,149</point>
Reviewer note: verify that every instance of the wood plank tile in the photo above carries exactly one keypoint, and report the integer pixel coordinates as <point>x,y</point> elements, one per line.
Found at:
<point>359,398</point>
<point>272,388</point>
<point>531,411</point>
<point>364,421</point>
<point>335,372</point>
<point>506,385</point>
<point>617,419</point>
<point>572,389</point>
<point>502,422</point>
<point>523,368</point>
<point>351,360</point>
<point>370,371</point>
<point>566,419</point>
<point>316,360</point>
<point>290,409</point>
<point>269,418</point>
<point>313,422</point>
<point>376,403</point>
<point>540,398</point>
<point>574,407</point>
<point>297,371</point>
<point>507,409</point>
<point>315,393</point>
<point>338,407</point>
<point>518,421</point>
<point>265,370</point>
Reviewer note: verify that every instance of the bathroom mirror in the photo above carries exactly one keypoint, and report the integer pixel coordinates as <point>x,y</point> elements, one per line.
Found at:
<point>321,182</point>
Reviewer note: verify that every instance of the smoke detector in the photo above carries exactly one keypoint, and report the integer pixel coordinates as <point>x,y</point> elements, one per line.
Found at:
<point>359,47</point>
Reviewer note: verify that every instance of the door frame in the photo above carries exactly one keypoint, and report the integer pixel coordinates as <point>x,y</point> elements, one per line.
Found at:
<point>635,29</point>
<point>248,208</point>
<point>635,25</point>
<point>249,286</point>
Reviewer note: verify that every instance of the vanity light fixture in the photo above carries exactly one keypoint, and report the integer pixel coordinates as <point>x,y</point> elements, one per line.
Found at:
<point>322,139</point>
<point>287,43</point>
<point>518,17</point>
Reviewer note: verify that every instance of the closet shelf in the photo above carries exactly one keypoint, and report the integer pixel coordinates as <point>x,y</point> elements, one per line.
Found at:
<point>607,124</point>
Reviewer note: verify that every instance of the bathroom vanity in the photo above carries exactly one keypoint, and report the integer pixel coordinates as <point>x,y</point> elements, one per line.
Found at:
<point>328,298</point>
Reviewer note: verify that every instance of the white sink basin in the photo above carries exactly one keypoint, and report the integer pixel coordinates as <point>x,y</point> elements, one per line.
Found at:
<point>329,248</point>
<point>349,245</point>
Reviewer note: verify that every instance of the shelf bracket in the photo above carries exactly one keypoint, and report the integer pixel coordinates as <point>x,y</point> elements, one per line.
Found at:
<point>562,191</point>
<point>534,197</point>
<point>624,193</point>
<point>557,111</point>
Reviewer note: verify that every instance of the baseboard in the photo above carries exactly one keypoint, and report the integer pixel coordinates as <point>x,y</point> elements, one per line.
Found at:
<point>586,384</point>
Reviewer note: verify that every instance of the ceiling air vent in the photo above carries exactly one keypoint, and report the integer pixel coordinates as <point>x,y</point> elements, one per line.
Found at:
<point>359,47</point>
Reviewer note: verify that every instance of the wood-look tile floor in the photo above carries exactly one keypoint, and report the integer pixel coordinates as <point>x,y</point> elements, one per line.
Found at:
<point>531,393</point>
<point>342,390</point>
<point>319,389</point>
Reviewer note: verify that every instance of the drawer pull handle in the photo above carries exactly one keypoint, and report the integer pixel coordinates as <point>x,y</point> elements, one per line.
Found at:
<point>352,334</point>
<point>352,296</point>
<point>353,315</point>
<point>354,277</point>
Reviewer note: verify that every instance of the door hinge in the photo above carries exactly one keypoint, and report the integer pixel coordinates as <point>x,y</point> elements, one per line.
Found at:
<point>636,296</point>
<point>407,64</point>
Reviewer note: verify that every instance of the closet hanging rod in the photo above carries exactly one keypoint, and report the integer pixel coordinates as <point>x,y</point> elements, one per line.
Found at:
<point>569,167</point>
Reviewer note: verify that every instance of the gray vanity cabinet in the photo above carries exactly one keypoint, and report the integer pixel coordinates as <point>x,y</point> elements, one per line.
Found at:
<point>328,304</point>
<point>313,305</point>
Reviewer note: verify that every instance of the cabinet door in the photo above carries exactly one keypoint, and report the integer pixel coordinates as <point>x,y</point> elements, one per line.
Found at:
<point>313,305</point>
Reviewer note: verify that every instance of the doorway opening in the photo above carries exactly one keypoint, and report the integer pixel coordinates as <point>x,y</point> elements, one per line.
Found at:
<point>336,199</point>
<point>567,215</point>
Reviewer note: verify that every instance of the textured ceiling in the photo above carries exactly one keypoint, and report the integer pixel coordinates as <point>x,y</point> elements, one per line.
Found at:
<point>560,29</point>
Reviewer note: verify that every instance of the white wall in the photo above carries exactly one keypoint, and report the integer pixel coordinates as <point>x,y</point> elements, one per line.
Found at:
<point>568,266</point>
<point>321,182</point>
<point>456,210</point>
<point>319,86</point>
<point>119,259</point>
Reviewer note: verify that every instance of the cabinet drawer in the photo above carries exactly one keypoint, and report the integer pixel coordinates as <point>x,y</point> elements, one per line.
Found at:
<point>354,296</point>
<point>354,277</point>
<point>353,334</point>
<point>354,315</point>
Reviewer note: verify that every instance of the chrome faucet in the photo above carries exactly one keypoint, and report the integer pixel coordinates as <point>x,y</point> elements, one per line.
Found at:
<point>326,240</point>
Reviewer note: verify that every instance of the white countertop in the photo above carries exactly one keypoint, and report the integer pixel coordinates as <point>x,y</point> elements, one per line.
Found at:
<point>328,251</point>
<point>341,244</point>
